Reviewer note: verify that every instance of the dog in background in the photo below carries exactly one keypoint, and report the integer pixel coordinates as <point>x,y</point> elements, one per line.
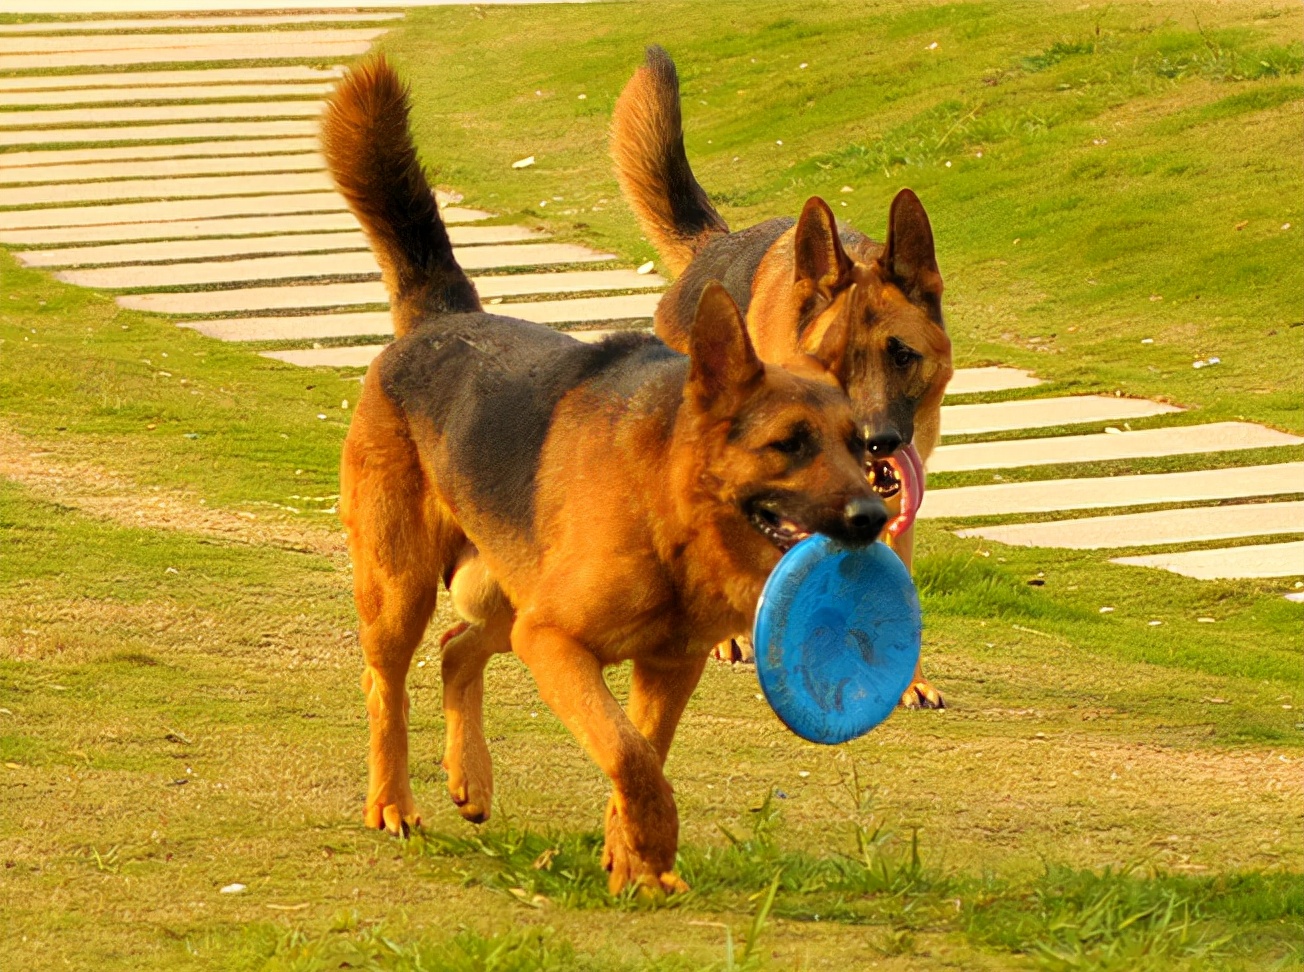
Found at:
<point>870,313</point>
<point>586,504</point>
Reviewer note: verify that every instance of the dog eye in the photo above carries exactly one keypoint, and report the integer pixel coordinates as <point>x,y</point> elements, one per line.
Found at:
<point>901,354</point>
<point>796,442</point>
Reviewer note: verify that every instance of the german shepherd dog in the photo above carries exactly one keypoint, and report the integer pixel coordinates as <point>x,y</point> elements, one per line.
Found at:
<point>870,313</point>
<point>586,504</point>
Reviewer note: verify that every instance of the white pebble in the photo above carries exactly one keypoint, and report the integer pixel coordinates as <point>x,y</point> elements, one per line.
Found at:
<point>931,47</point>
<point>524,163</point>
<point>232,889</point>
<point>1106,610</point>
<point>846,189</point>
<point>582,97</point>
<point>646,268</point>
<point>1147,340</point>
<point>802,65</point>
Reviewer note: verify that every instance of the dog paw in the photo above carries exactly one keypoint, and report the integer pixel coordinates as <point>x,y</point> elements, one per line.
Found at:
<point>922,695</point>
<point>735,650</point>
<point>626,868</point>
<point>472,796</point>
<point>399,816</point>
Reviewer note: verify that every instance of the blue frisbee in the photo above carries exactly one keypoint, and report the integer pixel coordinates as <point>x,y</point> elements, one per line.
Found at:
<point>837,638</point>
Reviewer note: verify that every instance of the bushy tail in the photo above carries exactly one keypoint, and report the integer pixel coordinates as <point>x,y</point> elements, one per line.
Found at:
<point>647,144</point>
<point>369,151</point>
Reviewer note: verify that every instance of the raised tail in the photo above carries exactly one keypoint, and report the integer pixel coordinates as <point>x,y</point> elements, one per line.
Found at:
<point>647,144</point>
<point>369,151</point>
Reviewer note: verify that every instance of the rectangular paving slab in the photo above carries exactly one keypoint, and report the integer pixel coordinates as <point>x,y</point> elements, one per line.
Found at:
<point>320,265</point>
<point>1151,529</point>
<point>316,327</point>
<point>971,381</point>
<point>299,202</point>
<point>159,133</point>
<point>281,50</point>
<point>189,23</point>
<point>260,183</point>
<point>173,40</point>
<point>308,296</point>
<point>1101,447</point>
<point>213,92</point>
<point>1098,493</point>
<point>183,229</point>
<point>31,176</point>
<point>159,79</point>
<point>123,154</point>
<point>171,251</point>
<point>1045,412</point>
<point>116,114</point>
<point>1260,560</point>
<point>179,229</point>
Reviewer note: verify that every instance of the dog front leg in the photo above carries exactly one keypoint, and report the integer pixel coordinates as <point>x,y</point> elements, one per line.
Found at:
<point>920,694</point>
<point>571,684</point>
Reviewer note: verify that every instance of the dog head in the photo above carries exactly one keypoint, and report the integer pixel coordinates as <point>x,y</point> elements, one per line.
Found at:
<point>873,318</point>
<point>781,454</point>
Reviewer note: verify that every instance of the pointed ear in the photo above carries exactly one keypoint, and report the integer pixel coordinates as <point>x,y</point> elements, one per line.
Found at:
<point>817,251</point>
<point>909,258</point>
<point>723,360</point>
<point>827,337</point>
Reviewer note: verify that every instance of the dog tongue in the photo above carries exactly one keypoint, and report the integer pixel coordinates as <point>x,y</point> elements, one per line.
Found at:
<point>910,470</point>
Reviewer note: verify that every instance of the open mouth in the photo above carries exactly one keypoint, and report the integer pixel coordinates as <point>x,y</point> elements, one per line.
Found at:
<point>883,478</point>
<point>778,529</point>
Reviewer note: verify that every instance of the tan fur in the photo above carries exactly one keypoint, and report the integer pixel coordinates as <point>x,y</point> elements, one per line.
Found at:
<point>812,295</point>
<point>639,547</point>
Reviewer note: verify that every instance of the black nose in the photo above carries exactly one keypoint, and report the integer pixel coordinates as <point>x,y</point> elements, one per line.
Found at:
<point>883,444</point>
<point>864,518</point>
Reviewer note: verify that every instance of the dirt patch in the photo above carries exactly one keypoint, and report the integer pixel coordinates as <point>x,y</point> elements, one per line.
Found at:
<point>60,477</point>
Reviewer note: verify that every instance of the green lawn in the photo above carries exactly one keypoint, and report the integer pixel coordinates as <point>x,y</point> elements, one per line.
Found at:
<point>179,708</point>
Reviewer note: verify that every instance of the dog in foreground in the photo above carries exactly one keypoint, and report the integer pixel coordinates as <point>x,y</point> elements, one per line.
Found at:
<point>586,504</point>
<point>870,313</point>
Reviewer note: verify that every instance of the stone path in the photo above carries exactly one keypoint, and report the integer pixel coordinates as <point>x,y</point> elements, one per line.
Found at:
<point>196,167</point>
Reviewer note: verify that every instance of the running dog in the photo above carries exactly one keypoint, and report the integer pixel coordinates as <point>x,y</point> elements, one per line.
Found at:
<point>586,504</point>
<point>871,313</point>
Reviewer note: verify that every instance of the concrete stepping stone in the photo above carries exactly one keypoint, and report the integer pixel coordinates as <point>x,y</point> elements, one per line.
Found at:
<point>1044,412</point>
<point>121,154</point>
<point>247,185</point>
<point>177,209</point>
<point>159,133</point>
<point>181,40</point>
<point>215,92</point>
<point>189,229</point>
<point>1232,563</point>
<point>308,296</point>
<point>1049,496</point>
<point>321,265</point>
<point>159,79</point>
<point>174,210</point>
<point>1151,529</point>
<point>58,117</point>
<point>318,327</point>
<point>1188,440</point>
<point>281,50</point>
<point>172,251</point>
<point>972,381</point>
<point>87,26</point>
<point>171,169</point>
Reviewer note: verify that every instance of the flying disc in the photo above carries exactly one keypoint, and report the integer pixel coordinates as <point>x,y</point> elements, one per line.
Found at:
<point>837,638</point>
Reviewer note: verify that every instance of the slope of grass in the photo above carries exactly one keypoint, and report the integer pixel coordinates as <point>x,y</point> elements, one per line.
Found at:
<point>1096,175</point>
<point>179,709</point>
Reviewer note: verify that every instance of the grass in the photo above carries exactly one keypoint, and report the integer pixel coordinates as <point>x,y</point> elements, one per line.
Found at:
<point>1078,165</point>
<point>179,709</point>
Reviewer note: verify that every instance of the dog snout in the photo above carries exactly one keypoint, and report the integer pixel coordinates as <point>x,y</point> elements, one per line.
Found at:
<point>883,444</point>
<point>863,519</point>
